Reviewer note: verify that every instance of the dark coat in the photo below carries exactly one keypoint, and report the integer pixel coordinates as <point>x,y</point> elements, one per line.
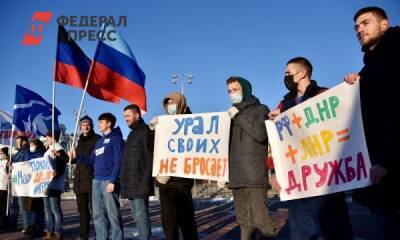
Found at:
<point>289,100</point>
<point>84,172</point>
<point>248,145</point>
<point>379,76</point>
<point>137,163</point>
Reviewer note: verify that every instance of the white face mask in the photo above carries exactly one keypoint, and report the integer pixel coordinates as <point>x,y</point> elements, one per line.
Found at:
<point>171,108</point>
<point>32,149</point>
<point>236,97</point>
<point>2,156</point>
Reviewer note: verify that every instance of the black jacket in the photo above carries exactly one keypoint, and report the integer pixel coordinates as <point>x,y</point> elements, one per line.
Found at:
<point>248,145</point>
<point>84,172</point>
<point>137,163</point>
<point>379,76</point>
<point>289,100</point>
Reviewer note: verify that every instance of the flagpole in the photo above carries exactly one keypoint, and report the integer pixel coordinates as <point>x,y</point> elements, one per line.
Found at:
<point>9,169</point>
<point>78,116</point>
<point>53,114</point>
<point>84,93</point>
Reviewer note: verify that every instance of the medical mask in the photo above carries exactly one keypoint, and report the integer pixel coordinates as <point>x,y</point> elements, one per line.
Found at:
<point>236,97</point>
<point>32,149</point>
<point>171,109</point>
<point>2,156</point>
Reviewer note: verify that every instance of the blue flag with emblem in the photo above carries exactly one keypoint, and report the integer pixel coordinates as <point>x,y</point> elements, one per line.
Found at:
<point>32,114</point>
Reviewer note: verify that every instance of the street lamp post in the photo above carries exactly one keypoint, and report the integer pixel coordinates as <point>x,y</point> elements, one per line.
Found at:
<point>181,79</point>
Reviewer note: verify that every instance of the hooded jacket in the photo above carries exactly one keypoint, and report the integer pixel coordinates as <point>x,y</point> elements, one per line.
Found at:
<point>83,175</point>
<point>181,108</point>
<point>106,156</point>
<point>248,142</point>
<point>137,163</point>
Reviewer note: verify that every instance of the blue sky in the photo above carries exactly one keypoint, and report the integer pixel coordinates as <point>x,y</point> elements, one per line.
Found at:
<point>210,39</point>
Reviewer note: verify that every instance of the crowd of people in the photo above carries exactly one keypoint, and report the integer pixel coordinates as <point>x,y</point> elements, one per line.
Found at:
<point>107,167</point>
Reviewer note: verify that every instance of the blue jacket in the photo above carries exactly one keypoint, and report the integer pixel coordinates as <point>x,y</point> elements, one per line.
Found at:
<point>106,156</point>
<point>22,155</point>
<point>32,155</point>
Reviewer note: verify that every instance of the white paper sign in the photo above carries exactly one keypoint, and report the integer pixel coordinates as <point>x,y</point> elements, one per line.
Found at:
<point>192,146</point>
<point>31,178</point>
<point>318,146</point>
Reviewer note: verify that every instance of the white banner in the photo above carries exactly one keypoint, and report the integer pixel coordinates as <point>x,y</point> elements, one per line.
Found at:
<point>5,127</point>
<point>31,178</point>
<point>3,175</point>
<point>318,146</point>
<point>192,146</point>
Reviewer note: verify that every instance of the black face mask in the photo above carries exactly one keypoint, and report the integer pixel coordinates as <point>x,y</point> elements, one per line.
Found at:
<point>290,84</point>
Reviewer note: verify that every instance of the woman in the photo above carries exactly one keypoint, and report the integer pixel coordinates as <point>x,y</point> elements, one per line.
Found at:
<point>35,205</point>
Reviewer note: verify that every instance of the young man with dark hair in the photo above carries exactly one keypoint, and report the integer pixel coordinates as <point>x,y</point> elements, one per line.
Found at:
<point>136,168</point>
<point>84,173</point>
<point>314,217</point>
<point>248,175</point>
<point>106,160</point>
<point>381,46</point>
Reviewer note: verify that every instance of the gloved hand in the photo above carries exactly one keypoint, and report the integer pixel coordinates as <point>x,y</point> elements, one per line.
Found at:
<point>153,122</point>
<point>232,111</point>
<point>221,184</point>
<point>162,179</point>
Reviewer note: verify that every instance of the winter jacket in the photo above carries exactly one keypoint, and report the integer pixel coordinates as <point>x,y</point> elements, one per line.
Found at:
<point>59,166</point>
<point>248,145</point>
<point>289,100</point>
<point>106,156</point>
<point>137,163</point>
<point>21,155</point>
<point>378,79</point>
<point>83,175</point>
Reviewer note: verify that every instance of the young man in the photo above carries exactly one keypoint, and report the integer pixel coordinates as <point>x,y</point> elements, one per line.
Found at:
<point>136,167</point>
<point>381,46</point>
<point>248,176</point>
<point>84,174</point>
<point>106,160</point>
<point>177,210</point>
<point>314,217</point>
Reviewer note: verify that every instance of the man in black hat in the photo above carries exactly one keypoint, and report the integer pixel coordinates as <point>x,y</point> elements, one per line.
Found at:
<point>84,173</point>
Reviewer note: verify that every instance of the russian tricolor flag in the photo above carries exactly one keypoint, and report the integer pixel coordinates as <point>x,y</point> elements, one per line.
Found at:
<point>72,67</point>
<point>115,68</point>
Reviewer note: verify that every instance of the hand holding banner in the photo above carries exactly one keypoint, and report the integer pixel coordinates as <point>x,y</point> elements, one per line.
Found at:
<point>319,146</point>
